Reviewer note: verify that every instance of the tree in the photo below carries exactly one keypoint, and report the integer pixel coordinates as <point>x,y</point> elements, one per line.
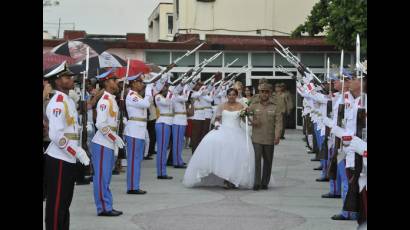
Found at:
<point>340,20</point>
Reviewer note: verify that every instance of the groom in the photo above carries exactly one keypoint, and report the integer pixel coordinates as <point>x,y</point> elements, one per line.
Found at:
<point>266,131</point>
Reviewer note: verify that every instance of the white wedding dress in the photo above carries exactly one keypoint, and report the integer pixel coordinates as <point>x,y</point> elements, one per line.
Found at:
<point>223,154</point>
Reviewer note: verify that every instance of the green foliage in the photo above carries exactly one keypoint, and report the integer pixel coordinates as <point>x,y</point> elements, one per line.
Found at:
<point>340,20</point>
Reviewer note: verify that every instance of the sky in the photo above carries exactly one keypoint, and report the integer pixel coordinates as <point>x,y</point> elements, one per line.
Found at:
<point>116,17</point>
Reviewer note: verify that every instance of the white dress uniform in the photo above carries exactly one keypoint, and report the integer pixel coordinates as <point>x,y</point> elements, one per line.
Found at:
<point>163,130</point>
<point>103,145</point>
<point>137,114</point>
<point>64,129</point>
<point>61,153</point>
<point>180,123</point>
<point>135,133</point>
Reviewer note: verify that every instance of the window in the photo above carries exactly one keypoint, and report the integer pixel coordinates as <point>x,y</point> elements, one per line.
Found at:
<point>186,61</point>
<point>279,60</point>
<point>262,59</point>
<point>158,58</point>
<point>335,59</point>
<point>170,23</point>
<point>177,6</point>
<point>243,59</point>
<point>313,60</point>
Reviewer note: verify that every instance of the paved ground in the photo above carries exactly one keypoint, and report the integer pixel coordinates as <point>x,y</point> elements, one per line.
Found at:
<point>293,203</point>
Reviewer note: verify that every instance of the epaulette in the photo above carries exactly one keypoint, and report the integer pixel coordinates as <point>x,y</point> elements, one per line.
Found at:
<point>106,97</point>
<point>60,98</point>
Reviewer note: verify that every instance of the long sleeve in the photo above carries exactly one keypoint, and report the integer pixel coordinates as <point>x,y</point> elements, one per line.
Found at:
<point>55,114</point>
<point>102,114</point>
<point>160,100</point>
<point>134,101</point>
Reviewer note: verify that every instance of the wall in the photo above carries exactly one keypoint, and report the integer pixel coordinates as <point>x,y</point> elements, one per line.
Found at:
<point>243,15</point>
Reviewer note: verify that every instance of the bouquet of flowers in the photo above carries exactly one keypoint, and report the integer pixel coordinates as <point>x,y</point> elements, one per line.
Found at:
<point>246,112</point>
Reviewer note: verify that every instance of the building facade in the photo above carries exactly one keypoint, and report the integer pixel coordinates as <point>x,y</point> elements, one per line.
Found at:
<point>160,23</point>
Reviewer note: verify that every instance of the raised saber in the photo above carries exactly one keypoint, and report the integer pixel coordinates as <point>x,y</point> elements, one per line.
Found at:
<point>291,58</point>
<point>202,67</point>
<point>213,76</point>
<point>328,76</point>
<point>229,75</point>
<point>169,67</point>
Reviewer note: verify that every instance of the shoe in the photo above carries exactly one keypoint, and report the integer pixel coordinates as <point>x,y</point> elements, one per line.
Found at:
<point>310,151</point>
<point>148,158</point>
<point>115,172</point>
<point>116,211</point>
<point>110,213</point>
<point>184,163</point>
<point>282,138</point>
<point>330,195</point>
<point>322,180</point>
<point>164,177</point>
<point>339,217</point>
<point>137,192</point>
<point>82,182</point>
<point>318,168</point>
<point>180,166</point>
<point>256,187</point>
<point>264,187</point>
<point>314,159</point>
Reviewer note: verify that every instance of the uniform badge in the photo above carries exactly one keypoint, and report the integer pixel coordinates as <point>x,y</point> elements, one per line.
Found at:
<point>105,130</point>
<point>103,107</point>
<point>57,112</point>
<point>135,99</point>
<point>62,142</point>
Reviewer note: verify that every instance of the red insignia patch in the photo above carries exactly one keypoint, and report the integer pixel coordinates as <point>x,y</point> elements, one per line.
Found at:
<point>71,150</point>
<point>60,98</point>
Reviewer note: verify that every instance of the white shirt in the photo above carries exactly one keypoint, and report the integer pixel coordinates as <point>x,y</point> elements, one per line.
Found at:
<point>199,113</point>
<point>63,119</point>
<point>107,110</point>
<point>136,108</point>
<point>207,102</point>
<point>164,106</point>
<point>179,108</point>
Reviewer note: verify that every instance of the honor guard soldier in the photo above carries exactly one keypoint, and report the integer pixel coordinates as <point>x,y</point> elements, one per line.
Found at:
<point>347,100</point>
<point>179,125</point>
<point>334,183</point>
<point>63,150</point>
<point>163,124</point>
<point>135,130</point>
<point>103,144</point>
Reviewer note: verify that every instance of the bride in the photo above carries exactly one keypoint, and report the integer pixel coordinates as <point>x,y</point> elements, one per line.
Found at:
<point>225,155</point>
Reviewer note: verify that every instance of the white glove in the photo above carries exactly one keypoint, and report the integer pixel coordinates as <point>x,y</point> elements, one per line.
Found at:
<point>124,121</point>
<point>148,90</point>
<point>118,141</point>
<point>217,125</point>
<point>196,78</point>
<point>358,145</point>
<point>115,150</point>
<point>338,132</point>
<point>89,127</point>
<point>113,137</point>
<point>81,155</point>
<point>328,122</point>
